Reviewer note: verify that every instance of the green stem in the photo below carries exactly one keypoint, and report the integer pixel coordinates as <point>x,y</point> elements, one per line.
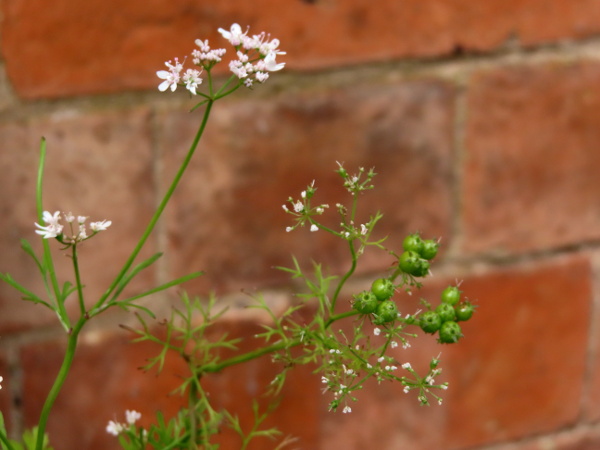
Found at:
<point>161,206</point>
<point>78,280</point>
<point>47,255</point>
<point>217,367</point>
<point>5,441</point>
<point>345,277</point>
<point>59,381</point>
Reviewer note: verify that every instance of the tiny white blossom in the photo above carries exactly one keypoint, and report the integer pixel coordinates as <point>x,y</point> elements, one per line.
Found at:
<point>132,416</point>
<point>377,331</point>
<point>52,228</point>
<point>406,366</point>
<point>363,229</point>
<point>100,226</point>
<point>1,382</point>
<point>171,76</point>
<point>234,35</point>
<point>406,389</point>
<point>298,206</point>
<point>314,228</point>
<point>270,64</point>
<point>114,428</point>
<point>393,344</point>
<point>288,229</point>
<point>346,410</point>
<point>191,79</point>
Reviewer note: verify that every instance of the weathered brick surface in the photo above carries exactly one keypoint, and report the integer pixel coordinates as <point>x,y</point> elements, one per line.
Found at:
<point>507,376</point>
<point>532,160</point>
<point>98,165</point>
<point>95,49</point>
<point>227,216</point>
<point>6,397</point>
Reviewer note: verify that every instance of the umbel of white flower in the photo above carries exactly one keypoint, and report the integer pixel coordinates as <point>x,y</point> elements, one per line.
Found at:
<point>256,57</point>
<point>78,232</point>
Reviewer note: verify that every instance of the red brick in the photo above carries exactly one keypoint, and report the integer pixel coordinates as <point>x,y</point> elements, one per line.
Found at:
<point>227,216</point>
<point>95,50</point>
<point>581,438</point>
<point>7,391</point>
<point>507,375</point>
<point>109,362</point>
<point>98,165</point>
<point>592,398</point>
<point>531,160</point>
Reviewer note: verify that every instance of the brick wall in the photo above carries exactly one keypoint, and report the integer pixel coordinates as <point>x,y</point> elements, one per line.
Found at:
<point>482,118</point>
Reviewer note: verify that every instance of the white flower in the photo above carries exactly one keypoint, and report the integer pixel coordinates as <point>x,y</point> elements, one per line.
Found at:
<point>298,206</point>
<point>314,228</point>
<point>192,80</point>
<point>1,382</point>
<point>52,228</point>
<point>171,76</point>
<point>234,35</point>
<point>346,410</point>
<point>270,64</point>
<point>100,226</point>
<point>377,331</point>
<point>114,428</point>
<point>132,416</point>
<point>406,366</point>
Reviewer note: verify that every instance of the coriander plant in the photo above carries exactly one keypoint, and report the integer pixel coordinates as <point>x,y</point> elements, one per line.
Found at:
<point>344,360</point>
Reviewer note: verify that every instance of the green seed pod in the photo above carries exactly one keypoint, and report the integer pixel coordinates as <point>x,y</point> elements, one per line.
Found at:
<point>430,322</point>
<point>451,295</point>
<point>450,333</point>
<point>387,311</point>
<point>464,311</point>
<point>365,302</point>
<point>430,249</point>
<point>411,262</point>
<point>446,312</point>
<point>383,288</point>
<point>413,243</point>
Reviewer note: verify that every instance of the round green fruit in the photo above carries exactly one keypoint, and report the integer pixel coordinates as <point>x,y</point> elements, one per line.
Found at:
<point>451,295</point>
<point>365,302</point>
<point>464,311</point>
<point>450,332</point>
<point>387,311</point>
<point>383,289</point>
<point>411,263</point>
<point>413,243</point>
<point>430,322</point>
<point>446,312</point>
<point>430,249</point>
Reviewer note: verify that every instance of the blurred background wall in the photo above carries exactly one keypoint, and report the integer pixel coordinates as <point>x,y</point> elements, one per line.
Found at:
<point>482,119</point>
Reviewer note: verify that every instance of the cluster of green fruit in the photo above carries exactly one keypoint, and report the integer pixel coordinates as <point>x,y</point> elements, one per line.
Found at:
<point>415,261</point>
<point>444,319</point>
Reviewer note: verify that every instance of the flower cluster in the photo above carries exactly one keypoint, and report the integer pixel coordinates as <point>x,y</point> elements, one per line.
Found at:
<point>303,210</point>
<point>256,57</point>
<point>116,428</point>
<point>78,232</point>
<point>426,383</point>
